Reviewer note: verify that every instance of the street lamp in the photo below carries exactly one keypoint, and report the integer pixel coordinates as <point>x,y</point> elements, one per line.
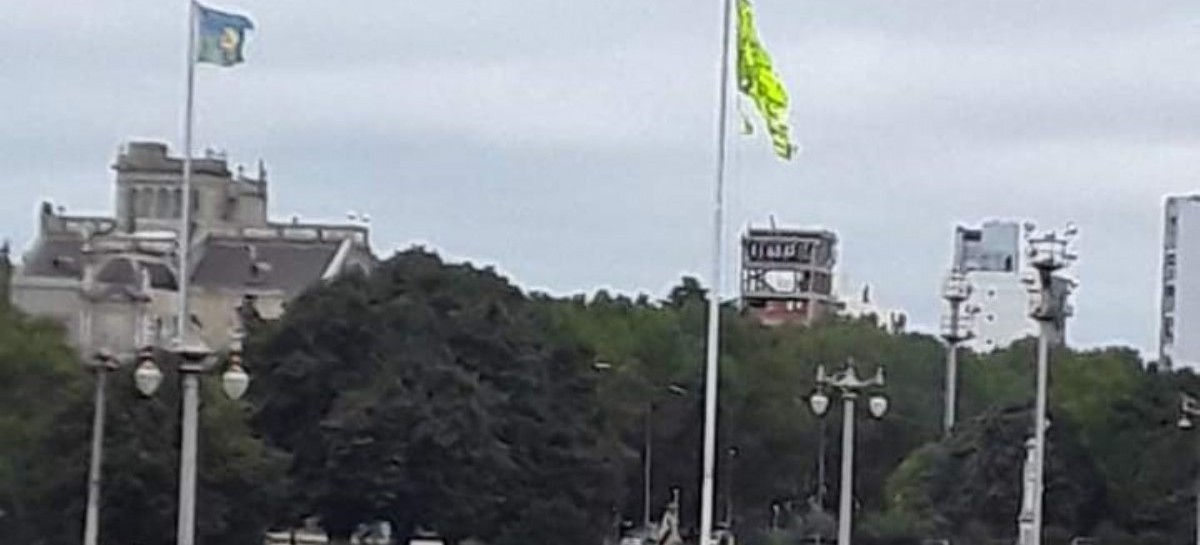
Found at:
<point>1049,253</point>
<point>647,443</point>
<point>195,358</point>
<point>849,386</point>
<point>956,291</point>
<point>1189,408</point>
<point>101,365</point>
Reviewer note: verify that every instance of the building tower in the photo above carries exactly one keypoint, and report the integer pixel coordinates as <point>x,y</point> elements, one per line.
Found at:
<point>989,257</point>
<point>1179,336</point>
<point>787,274</point>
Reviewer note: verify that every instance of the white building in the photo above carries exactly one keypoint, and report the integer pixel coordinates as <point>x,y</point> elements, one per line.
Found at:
<point>990,256</point>
<point>860,301</point>
<point>1179,329</point>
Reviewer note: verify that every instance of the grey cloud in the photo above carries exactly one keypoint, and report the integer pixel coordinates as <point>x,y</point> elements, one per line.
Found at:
<point>572,143</point>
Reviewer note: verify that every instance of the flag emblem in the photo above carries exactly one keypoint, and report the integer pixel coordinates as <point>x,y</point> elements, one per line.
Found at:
<point>221,36</point>
<point>758,80</point>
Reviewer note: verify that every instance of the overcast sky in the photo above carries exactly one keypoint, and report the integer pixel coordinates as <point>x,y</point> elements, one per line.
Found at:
<point>572,143</point>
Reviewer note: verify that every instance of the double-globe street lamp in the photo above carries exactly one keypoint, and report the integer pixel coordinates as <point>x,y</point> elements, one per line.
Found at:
<point>195,358</point>
<point>849,386</point>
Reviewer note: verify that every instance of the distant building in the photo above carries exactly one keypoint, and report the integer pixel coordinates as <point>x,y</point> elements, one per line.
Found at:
<point>1179,327</point>
<point>990,256</point>
<point>112,280</point>
<point>787,274</point>
<point>859,302</point>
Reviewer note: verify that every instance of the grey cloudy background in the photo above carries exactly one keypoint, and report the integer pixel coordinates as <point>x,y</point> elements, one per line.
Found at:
<point>571,143</point>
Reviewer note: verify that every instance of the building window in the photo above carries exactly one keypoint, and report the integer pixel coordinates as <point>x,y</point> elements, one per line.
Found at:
<point>195,202</point>
<point>176,203</point>
<point>162,208</point>
<point>145,202</point>
<point>130,213</point>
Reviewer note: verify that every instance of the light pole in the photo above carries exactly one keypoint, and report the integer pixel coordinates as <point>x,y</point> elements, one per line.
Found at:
<point>102,362</point>
<point>101,365</point>
<point>849,386</point>
<point>1189,408</point>
<point>1049,253</point>
<point>955,291</point>
<point>647,444</point>
<point>195,359</point>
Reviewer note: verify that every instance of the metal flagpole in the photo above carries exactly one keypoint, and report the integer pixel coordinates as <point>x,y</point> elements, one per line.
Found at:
<point>714,296</point>
<point>186,214</point>
<point>191,382</point>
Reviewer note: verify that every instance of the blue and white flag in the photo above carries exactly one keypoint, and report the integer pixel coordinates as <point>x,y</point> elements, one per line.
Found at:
<point>220,36</point>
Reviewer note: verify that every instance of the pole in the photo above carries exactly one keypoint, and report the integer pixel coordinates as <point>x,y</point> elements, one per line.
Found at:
<point>729,489</point>
<point>823,427</point>
<point>1039,428</point>
<point>714,297</point>
<point>187,459</point>
<point>647,467</point>
<point>847,493</point>
<point>91,527</point>
<point>186,214</point>
<point>191,383</point>
<point>952,369</point>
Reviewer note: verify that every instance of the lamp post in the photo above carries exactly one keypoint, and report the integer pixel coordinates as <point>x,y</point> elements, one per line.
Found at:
<point>1189,408</point>
<point>849,386</point>
<point>1049,253</point>
<point>102,361</point>
<point>101,365</point>
<point>195,359</point>
<point>647,445</point>
<point>956,330</point>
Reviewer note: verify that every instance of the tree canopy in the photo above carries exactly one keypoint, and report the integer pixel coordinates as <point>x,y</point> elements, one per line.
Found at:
<point>440,396</point>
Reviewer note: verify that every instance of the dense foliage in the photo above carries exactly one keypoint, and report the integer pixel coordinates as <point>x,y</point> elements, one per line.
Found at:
<point>440,396</point>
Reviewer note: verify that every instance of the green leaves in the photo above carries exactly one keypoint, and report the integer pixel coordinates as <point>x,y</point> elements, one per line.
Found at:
<point>436,395</point>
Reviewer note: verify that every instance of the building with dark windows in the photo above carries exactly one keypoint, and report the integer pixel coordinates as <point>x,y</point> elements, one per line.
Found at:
<point>787,274</point>
<point>1179,323</point>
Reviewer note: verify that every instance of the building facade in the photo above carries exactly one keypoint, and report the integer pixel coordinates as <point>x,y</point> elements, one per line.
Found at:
<point>112,280</point>
<point>998,302</point>
<point>1179,325</point>
<point>787,274</point>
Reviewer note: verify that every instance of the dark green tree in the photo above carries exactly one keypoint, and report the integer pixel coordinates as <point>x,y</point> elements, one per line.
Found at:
<point>436,395</point>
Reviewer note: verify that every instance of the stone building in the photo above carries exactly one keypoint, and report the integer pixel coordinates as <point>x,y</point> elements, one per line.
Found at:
<point>112,280</point>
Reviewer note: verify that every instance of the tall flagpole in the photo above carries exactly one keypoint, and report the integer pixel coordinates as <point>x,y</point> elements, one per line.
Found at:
<point>191,382</point>
<point>186,215</point>
<point>714,296</point>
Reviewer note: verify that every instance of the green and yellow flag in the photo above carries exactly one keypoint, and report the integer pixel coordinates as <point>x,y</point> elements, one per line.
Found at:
<point>759,82</point>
